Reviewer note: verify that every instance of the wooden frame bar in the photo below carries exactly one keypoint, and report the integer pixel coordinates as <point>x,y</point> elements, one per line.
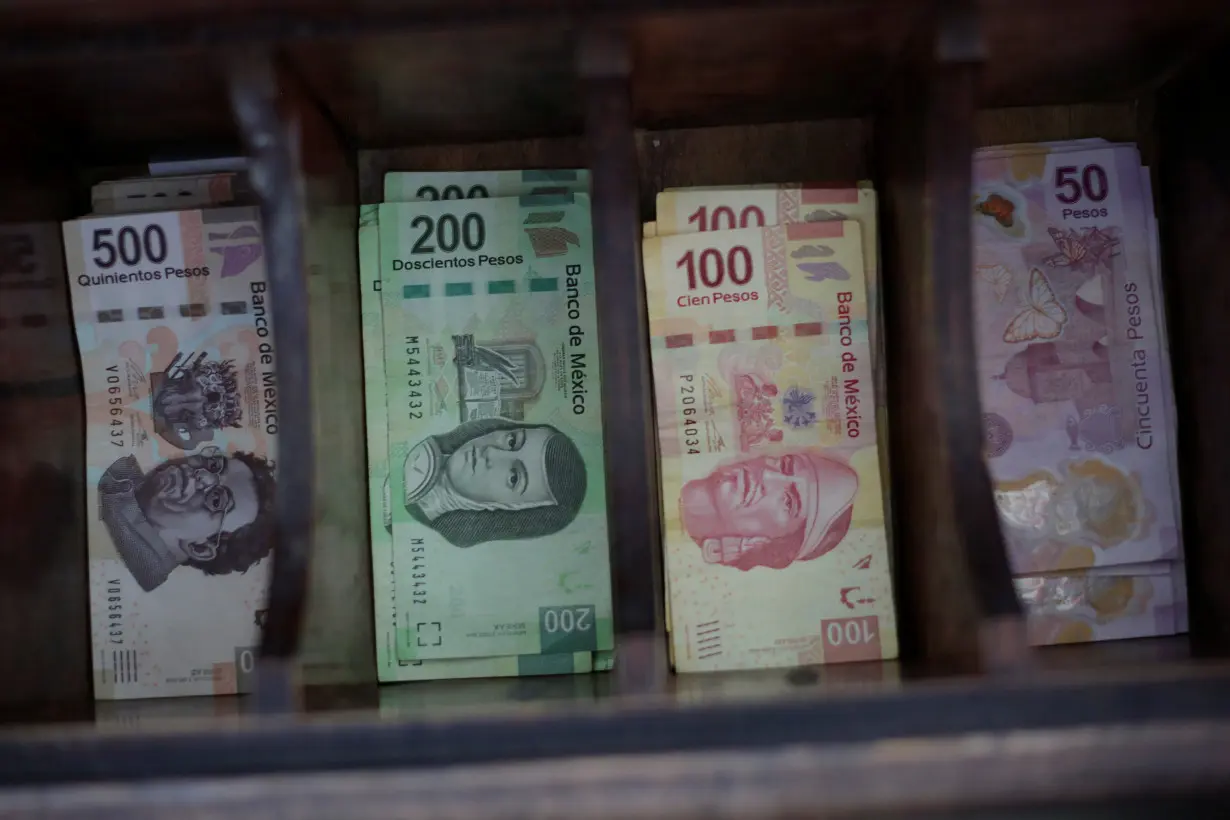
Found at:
<point>627,389</point>
<point>273,147</point>
<point>952,572</point>
<point>1046,769</point>
<point>274,745</point>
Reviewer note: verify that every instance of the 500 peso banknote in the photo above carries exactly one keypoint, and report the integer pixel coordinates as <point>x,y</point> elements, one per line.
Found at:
<point>180,387</point>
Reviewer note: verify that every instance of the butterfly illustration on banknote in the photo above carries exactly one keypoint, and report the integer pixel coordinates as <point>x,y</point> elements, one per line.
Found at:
<point>1082,249</point>
<point>1002,210</point>
<point>998,277</point>
<point>999,208</point>
<point>1043,316</point>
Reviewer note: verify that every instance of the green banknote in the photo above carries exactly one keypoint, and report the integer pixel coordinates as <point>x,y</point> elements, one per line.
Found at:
<point>411,186</point>
<point>497,492</point>
<point>391,668</point>
<point>401,186</point>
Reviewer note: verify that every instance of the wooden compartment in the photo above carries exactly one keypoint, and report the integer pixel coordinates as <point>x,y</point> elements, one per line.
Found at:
<point>327,95</point>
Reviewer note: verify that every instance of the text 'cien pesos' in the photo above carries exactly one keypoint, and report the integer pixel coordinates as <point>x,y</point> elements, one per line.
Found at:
<point>687,300</point>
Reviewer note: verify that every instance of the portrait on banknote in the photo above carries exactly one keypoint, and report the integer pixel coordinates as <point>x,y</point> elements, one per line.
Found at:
<point>770,510</point>
<point>495,479</point>
<point>1075,608</point>
<point>1059,517</point>
<point>211,511</point>
<point>194,397</point>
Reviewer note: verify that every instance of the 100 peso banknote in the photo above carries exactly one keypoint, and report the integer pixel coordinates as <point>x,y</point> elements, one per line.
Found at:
<point>176,345</point>
<point>690,210</point>
<point>773,505</point>
<point>497,492</point>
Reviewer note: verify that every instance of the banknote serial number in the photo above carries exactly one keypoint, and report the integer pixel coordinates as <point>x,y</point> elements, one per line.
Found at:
<point>691,427</point>
<point>115,612</point>
<point>414,378</point>
<point>418,571</point>
<point>115,405</point>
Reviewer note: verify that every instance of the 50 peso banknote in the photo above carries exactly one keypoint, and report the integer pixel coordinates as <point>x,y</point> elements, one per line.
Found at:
<point>1071,358</point>
<point>176,346</point>
<point>773,505</point>
<point>497,490</point>
<point>1104,603</point>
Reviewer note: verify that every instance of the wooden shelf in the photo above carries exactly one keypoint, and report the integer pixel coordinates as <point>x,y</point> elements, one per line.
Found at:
<point>471,722</point>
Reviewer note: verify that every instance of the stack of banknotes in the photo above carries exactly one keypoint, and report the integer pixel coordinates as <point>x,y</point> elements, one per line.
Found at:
<point>1074,374</point>
<point>487,490</point>
<point>764,336</point>
<point>174,334</point>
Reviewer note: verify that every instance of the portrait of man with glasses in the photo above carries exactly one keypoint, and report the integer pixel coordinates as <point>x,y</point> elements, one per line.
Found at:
<point>211,511</point>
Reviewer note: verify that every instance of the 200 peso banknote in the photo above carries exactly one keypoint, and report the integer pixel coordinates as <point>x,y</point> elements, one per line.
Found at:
<point>180,372</point>
<point>773,505</point>
<point>495,457</point>
<point>430,186</point>
<point>389,666</point>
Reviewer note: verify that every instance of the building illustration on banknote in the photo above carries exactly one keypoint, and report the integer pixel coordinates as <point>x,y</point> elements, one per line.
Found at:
<point>496,378</point>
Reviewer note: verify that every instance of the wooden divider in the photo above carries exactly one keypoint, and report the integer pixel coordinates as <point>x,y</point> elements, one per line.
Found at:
<point>1194,169</point>
<point>958,610</point>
